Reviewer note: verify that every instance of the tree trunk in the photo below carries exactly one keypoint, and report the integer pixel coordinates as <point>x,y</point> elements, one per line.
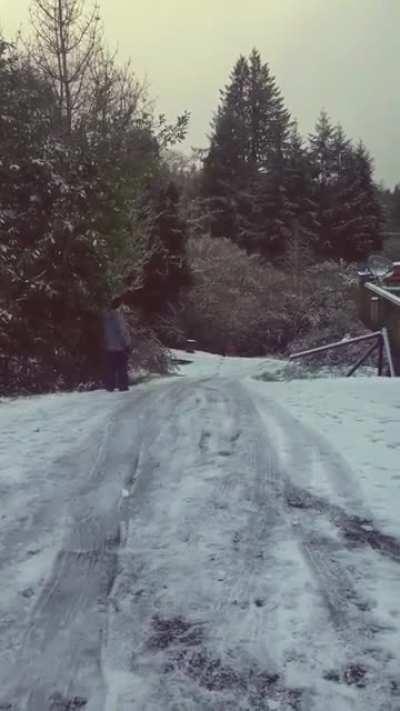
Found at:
<point>65,87</point>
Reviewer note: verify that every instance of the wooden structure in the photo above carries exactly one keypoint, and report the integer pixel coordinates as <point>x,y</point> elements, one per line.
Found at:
<point>379,308</point>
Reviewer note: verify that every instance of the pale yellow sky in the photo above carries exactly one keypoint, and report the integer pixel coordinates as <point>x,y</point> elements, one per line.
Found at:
<point>342,55</point>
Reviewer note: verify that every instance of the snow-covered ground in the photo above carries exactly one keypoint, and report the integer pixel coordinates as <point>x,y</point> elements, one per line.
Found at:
<point>206,365</point>
<point>208,541</point>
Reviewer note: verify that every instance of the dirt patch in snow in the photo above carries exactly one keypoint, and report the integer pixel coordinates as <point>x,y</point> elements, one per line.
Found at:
<point>189,656</point>
<point>355,530</point>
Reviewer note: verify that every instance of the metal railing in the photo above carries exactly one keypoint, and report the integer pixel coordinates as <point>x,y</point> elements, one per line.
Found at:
<point>380,343</point>
<point>383,293</point>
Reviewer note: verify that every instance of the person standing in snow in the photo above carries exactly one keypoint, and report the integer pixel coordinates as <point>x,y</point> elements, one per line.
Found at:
<point>116,345</point>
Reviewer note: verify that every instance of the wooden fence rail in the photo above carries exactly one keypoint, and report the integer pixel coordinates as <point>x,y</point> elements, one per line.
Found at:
<point>380,341</point>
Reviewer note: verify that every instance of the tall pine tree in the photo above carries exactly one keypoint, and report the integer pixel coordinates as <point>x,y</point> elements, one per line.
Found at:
<point>244,171</point>
<point>348,214</point>
<point>359,223</point>
<point>225,170</point>
<point>321,151</point>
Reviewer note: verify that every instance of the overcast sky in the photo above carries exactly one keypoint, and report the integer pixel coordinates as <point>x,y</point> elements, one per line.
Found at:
<point>341,55</point>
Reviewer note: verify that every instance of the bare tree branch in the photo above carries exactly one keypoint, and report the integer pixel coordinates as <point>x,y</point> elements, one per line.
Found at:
<point>67,39</point>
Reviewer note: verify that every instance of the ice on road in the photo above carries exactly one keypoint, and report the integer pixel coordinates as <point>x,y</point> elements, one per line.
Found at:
<point>208,541</point>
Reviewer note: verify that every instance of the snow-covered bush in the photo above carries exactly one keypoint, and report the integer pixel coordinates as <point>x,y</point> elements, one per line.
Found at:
<point>226,309</point>
<point>329,299</point>
<point>241,305</point>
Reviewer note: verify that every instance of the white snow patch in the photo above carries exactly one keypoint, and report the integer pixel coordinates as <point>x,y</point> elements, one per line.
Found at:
<point>338,439</point>
<point>206,365</point>
<point>359,418</point>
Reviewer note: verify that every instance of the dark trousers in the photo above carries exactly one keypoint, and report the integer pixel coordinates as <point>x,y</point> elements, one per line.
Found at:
<point>116,370</point>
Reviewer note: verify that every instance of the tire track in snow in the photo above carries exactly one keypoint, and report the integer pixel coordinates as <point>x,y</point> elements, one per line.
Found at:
<point>201,539</point>
<point>60,656</point>
<point>254,475</point>
<point>339,578</point>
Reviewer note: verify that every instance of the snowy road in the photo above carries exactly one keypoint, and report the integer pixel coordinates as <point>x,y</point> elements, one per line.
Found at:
<point>194,547</point>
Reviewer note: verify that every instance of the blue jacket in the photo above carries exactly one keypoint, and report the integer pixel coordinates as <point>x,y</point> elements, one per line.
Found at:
<point>115,331</point>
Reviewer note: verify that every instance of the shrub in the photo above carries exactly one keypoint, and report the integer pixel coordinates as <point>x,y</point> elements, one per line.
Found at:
<point>233,303</point>
<point>239,304</point>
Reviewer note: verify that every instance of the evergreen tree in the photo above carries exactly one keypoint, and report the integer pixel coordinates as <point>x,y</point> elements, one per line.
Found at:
<point>385,197</point>
<point>67,201</point>
<point>321,150</point>
<point>165,272</point>
<point>268,119</point>
<point>299,185</point>
<point>50,267</point>
<point>323,161</point>
<point>349,217</point>
<point>244,171</point>
<point>359,225</point>
<point>395,207</point>
<point>225,167</point>
<point>301,244</point>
